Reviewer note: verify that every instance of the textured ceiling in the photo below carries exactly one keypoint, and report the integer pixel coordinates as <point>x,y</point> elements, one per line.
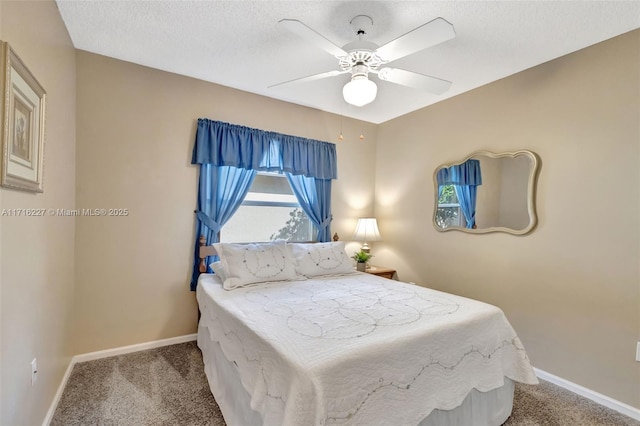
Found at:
<point>240,44</point>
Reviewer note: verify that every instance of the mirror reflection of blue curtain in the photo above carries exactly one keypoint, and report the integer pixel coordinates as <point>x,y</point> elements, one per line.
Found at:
<point>467,173</point>
<point>221,190</point>
<point>467,198</point>
<point>465,178</point>
<point>229,157</point>
<point>314,196</point>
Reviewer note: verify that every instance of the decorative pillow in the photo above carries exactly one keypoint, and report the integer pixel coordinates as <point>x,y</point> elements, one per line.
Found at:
<point>245,264</point>
<point>317,259</point>
<point>218,269</point>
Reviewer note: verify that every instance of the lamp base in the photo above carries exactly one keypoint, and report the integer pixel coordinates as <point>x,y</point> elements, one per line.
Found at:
<point>365,248</point>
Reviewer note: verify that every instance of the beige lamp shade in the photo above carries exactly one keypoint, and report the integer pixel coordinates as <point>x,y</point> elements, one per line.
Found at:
<point>367,231</point>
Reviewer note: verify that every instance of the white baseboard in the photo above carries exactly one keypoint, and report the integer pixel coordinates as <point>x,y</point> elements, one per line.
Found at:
<point>133,348</point>
<point>107,353</point>
<point>601,399</point>
<point>58,395</point>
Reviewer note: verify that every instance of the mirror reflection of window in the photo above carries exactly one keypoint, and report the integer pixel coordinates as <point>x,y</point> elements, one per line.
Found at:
<point>465,179</point>
<point>448,213</point>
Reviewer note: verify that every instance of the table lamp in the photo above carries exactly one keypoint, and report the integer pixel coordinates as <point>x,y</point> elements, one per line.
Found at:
<point>367,231</point>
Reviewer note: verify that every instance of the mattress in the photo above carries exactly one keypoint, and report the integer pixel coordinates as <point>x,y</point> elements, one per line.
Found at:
<point>355,349</point>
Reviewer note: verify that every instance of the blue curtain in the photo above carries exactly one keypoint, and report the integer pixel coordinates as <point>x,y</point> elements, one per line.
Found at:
<point>224,144</point>
<point>314,196</point>
<point>220,193</point>
<point>467,197</point>
<point>229,156</point>
<point>465,178</point>
<point>467,173</point>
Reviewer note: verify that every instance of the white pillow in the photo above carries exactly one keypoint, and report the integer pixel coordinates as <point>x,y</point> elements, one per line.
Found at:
<point>317,259</point>
<point>218,269</point>
<point>245,264</point>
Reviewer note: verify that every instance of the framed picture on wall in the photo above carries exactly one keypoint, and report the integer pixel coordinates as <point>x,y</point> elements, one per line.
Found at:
<point>23,121</point>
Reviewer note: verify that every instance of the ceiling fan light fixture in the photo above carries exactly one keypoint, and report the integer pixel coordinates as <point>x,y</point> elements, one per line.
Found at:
<point>359,91</point>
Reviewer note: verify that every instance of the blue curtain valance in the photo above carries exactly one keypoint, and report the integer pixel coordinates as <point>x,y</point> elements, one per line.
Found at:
<point>467,173</point>
<point>225,144</point>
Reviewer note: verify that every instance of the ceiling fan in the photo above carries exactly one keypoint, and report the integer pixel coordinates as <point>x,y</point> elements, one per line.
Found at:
<point>362,57</point>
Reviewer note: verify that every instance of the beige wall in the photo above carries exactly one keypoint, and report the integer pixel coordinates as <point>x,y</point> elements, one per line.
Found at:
<point>135,132</point>
<point>572,287</point>
<point>36,267</point>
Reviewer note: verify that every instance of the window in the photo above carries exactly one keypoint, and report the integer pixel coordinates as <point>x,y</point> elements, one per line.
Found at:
<point>448,212</point>
<point>269,212</point>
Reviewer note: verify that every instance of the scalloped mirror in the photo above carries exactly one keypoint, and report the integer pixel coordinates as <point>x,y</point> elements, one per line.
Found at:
<point>487,192</point>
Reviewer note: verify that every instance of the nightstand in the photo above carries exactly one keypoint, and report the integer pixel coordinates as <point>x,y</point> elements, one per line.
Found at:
<point>381,272</point>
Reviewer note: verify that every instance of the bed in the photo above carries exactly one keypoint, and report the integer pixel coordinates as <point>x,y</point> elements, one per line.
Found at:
<point>292,335</point>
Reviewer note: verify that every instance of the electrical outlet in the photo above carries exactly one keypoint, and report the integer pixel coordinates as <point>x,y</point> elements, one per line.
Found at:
<point>638,351</point>
<point>34,371</point>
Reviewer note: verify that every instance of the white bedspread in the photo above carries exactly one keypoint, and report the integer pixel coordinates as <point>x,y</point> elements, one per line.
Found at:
<point>359,349</point>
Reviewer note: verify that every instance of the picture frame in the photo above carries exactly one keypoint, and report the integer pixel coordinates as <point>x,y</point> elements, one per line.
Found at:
<point>23,124</point>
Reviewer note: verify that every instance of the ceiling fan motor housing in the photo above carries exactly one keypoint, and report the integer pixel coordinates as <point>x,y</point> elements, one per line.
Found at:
<point>366,57</point>
<point>360,52</point>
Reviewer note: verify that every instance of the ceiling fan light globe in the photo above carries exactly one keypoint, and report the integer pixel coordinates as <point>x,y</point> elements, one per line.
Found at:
<point>359,91</point>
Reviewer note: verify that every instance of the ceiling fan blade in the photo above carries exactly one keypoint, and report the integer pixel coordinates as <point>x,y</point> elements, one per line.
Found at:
<point>311,35</point>
<point>427,35</point>
<point>413,79</point>
<point>311,77</point>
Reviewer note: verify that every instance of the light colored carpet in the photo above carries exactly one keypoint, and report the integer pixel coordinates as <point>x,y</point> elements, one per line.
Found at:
<point>163,386</point>
<point>167,386</point>
<point>549,405</point>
